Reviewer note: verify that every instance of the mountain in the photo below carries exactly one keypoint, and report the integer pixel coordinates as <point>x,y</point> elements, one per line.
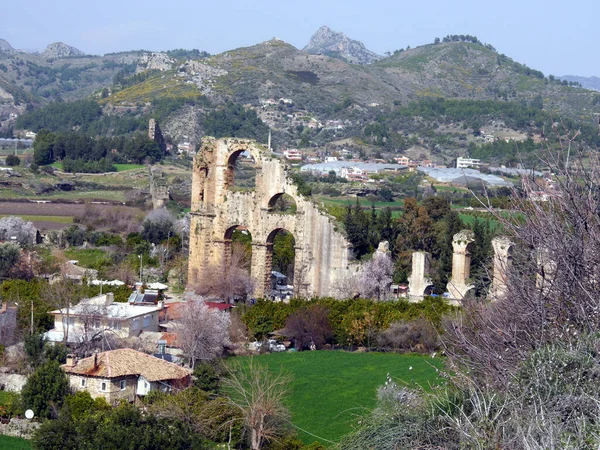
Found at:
<point>60,50</point>
<point>587,82</point>
<point>337,45</point>
<point>5,46</point>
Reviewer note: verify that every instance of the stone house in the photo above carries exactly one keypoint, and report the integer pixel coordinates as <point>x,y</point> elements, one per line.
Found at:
<point>124,374</point>
<point>101,314</point>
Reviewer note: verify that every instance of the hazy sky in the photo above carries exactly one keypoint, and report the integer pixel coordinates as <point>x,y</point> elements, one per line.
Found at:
<point>555,37</point>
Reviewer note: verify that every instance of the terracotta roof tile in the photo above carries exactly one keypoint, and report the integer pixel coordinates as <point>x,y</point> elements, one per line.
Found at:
<point>126,361</point>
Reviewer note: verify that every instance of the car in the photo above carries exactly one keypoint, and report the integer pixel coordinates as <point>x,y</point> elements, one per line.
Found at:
<point>275,346</point>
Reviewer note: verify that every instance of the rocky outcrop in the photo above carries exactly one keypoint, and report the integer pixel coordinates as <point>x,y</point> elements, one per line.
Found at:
<point>335,44</point>
<point>61,50</point>
<point>155,61</point>
<point>5,46</point>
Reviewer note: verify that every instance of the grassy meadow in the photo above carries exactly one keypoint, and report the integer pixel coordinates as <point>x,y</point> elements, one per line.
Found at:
<point>332,389</point>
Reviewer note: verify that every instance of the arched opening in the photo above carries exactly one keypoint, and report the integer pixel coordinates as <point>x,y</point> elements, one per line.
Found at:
<point>238,247</point>
<point>281,260</point>
<point>241,171</point>
<point>282,203</point>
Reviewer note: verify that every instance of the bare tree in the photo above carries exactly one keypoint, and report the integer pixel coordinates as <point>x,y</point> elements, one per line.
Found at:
<point>309,326</point>
<point>228,281</point>
<point>376,277</point>
<point>259,394</point>
<point>13,227</point>
<point>553,282</point>
<point>202,332</point>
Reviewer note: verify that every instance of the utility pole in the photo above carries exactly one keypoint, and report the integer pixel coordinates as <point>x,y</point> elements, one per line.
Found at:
<point>141,262</point>
<point>31,316</point>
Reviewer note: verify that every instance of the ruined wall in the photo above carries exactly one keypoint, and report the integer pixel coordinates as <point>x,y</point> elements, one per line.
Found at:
<point>322,253</point>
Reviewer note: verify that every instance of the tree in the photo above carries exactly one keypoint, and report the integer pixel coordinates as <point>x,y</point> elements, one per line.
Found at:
<point>258,395</point>
<point>158,226</point>
<point>308,326</point>
<point>230,280</point>
<point>45,390</point>
<point>15,228</point>
<point>202,332</point>
<point>12,160</point>
<point>376,277</point>
<point>9,256</point>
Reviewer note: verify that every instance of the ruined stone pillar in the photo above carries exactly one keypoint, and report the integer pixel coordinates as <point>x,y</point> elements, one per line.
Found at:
<point>546,269</point>
<point>262,255</point>
<point>502,260</point>
<point>419,279</point>
<point>459,285</point>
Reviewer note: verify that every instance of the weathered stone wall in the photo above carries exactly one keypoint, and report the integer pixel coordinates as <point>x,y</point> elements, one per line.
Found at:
<point>323,254</point>
<point>22,428</point>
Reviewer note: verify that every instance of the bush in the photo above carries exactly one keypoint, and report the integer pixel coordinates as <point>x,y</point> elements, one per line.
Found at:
<point>45,390</point>
<point>12,161</point>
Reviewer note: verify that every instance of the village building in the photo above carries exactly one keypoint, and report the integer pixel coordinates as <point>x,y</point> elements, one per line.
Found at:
<point>124,374</point>
<point>95,316</point>
<point>293,154</point>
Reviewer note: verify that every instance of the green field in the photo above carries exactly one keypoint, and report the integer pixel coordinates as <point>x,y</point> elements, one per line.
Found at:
<point>86,257</point>
<point>13,443</point>
<point>41,218</point>
<point>120,167</point>
<point>331,389</point>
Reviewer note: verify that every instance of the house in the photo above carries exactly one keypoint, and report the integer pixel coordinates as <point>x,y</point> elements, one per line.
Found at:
<point>293,155</point>
<point>463,163</point>
<point>71,271</point>
<point>98,315</point>
<point>124,374</point>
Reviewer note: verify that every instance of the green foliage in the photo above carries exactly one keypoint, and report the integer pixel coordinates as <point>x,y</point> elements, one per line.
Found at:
<point>24,294</point>
<point>45,389</point>
<point>180,53</point>
<point>13,160</point>
<point>115,429</point>
<point>351,320</point>
<point>207,377</point>
<point>60,116</point>
<point>9,255</point>
<point>233,120</point>
<point>10,404</point>
<point>283,252</point>
<point>366,229</point>
<point>13,443</point>
<point>34,345</point>
<point>81,153</point>
<point>80,403</point>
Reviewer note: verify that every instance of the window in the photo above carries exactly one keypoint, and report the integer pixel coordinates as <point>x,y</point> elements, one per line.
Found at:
<point>135,324</point>
<point>71,322</point>
<point>83,383</point>
<point>123,384</point>
<point>147,321</point>
<point>115,324</point>
<point>96,323</point>
<point>104,386</point>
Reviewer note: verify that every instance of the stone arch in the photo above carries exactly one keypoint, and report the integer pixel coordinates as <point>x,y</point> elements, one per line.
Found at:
<point>270,254</point>
<point>232,162</point>
<point>322,253</point>
<point>275,201</point>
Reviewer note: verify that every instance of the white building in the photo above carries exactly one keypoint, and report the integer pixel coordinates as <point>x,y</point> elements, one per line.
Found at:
<point>94,316</point>
<point>464,163</point>
<point>293,154</point>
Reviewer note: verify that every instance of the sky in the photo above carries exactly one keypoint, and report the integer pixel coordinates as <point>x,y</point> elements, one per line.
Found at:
<point>556,38</point>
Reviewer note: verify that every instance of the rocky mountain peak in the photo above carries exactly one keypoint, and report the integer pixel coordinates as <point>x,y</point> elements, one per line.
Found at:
<point>337,45</point>
<point>60,50</point>
<point>5,46</point>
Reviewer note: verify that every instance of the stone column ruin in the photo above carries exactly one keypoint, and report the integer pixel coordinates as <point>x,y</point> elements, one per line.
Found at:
<point>419,279</point>
<point>502,260</point>
<point>461,265</point>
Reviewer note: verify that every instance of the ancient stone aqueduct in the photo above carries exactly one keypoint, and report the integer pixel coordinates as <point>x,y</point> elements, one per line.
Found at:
<point>323,256</point>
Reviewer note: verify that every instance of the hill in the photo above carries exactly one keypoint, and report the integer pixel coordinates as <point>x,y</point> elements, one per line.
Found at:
<point>310,100</point>
<point>587,82</point>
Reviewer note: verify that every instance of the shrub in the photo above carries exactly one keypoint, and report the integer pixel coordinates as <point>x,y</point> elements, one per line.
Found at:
<point>12,160</point>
